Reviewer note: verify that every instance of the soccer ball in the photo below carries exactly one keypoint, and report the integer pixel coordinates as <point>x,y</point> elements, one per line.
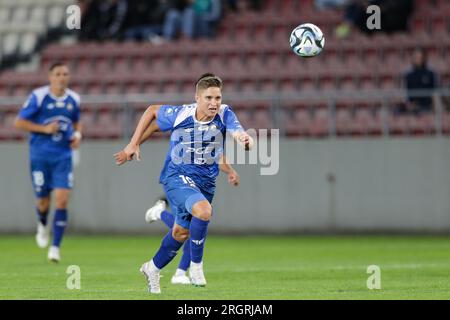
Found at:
<point>307,40</point>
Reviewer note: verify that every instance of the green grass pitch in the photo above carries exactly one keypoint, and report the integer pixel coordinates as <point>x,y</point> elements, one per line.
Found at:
<point>303,267</point>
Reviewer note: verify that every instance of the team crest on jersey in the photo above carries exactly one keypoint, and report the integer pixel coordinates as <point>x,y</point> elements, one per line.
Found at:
<point>69,106</point>
<point>50,106</point>
<point>169,111</point>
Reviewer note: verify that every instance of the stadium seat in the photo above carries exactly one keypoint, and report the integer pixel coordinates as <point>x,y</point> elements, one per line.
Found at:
<point>320,124</point>
<point>344,121</point>
<point>7,129</point>
<point>297,122</point>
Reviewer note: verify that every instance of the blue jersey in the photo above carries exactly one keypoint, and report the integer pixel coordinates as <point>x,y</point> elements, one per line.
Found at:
<point>43,108</point>
<point>195,147</point>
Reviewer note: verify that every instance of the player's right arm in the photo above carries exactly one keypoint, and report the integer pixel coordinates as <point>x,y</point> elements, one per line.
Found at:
<point>30,126</point>
<point>24,120</point>
<point>142,132</point>
<point>121,156</point>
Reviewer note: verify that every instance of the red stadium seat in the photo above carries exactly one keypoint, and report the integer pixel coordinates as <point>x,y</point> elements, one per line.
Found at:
<point>343,121</point>
<point>320,124</point>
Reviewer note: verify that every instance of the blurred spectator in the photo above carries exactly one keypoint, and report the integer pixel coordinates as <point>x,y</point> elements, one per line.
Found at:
<point>420,77</point>
<point>179,18</point>
<point>103,20</point>
<point>394,16</point>
<point>145,19</point>
<point>256,4</point>
<point>327,4</point>
<point>207,17</point>
<point>193,18</point>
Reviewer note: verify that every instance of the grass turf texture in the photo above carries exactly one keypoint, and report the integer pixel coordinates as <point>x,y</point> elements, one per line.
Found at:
<point>305,267</point>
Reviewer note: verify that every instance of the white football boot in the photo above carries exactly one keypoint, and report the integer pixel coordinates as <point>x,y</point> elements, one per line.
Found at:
<point>196,274</point>
<point>151,274</point>
<point>180,277</point>
<point>53,254</point>
<point>154,213</point>
<point>42,235</point>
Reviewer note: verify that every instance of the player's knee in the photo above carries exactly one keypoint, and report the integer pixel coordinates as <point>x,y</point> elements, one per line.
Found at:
<point>202,210</point>
<point>62,202</point>
<point>43,204</point>
<point>180,235</point>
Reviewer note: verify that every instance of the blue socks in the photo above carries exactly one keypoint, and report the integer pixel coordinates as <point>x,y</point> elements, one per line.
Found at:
<point>167,251</point>
<point>186,257</point>
<point>42,216</point>
<point>168,219</point>
<point>198,231</point>
<point>59,224</point>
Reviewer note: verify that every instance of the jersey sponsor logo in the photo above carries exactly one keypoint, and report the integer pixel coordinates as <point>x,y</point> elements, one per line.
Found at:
<point>203,128</point>
<point>60,104</point>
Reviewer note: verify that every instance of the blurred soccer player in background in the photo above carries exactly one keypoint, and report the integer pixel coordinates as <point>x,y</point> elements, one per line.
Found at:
<point>51,115</point>
<point>188,177</point>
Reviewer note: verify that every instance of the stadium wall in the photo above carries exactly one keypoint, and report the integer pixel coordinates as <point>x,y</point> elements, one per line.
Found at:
<point>341,185</point>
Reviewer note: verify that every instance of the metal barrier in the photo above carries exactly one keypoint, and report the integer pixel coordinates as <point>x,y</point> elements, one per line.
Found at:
<point>330,113</point>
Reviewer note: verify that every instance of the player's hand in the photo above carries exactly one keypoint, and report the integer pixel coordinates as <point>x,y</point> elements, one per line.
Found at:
<point>51,128</point>
<point>120,157</point>
<point>75,141</point>
<point>233,178</point>
<point>246,140</point>
<point>131,151</point>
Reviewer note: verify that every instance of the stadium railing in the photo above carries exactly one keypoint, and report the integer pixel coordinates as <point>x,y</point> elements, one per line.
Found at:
<point>314,114</point>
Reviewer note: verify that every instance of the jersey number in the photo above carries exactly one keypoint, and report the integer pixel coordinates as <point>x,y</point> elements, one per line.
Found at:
<point>187,180</point>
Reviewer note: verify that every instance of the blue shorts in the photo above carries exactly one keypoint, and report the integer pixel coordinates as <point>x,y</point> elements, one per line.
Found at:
<point>49,174</point>
<point>181,197</point>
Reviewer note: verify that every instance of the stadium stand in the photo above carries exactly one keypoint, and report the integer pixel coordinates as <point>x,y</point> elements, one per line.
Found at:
<point>252,54</point>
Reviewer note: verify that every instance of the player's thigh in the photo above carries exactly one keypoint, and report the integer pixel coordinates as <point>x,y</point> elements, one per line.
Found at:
<point>182,198</point>
<point>61,174</point>
<point>40,178</point>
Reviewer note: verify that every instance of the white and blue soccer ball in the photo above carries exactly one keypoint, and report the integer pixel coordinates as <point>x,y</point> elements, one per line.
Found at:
<point>307,40</point>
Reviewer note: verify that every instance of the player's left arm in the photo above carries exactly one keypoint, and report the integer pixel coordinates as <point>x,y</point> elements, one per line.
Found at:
<point>244,139</point>
<point>237,131</point>
<point>77,136</point>
<point>233,176</point>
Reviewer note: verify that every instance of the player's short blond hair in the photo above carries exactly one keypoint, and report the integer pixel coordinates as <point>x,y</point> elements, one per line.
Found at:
<point>208,80</point>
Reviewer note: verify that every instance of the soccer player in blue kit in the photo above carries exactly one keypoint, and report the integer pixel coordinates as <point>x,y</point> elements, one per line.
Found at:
<point>52,116</point>
<point>188,177</point>
<point>159,212</point>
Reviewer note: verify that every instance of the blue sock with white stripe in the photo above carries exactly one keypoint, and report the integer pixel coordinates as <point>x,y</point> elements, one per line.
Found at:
<point>167,251</point>
<point>59,225</point>
<point>169,219</point>
<point>198,231</point>
<point>42,216</point>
